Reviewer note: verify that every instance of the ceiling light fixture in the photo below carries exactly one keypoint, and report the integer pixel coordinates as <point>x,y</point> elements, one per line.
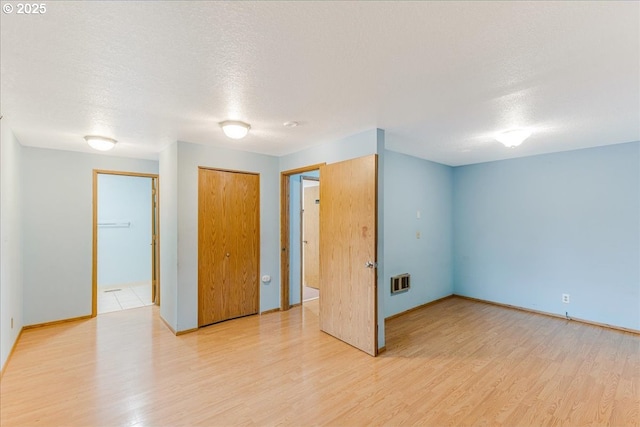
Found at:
<point>235,129</point>
<point>100,143</point>
<point>290,124</point>
<point>514,137</point>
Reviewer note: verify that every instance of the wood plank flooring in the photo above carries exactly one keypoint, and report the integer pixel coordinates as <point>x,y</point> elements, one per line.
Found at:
<point>457,362</point>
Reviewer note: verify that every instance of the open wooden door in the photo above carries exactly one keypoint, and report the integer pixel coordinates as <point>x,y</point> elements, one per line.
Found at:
<point>348,241</point>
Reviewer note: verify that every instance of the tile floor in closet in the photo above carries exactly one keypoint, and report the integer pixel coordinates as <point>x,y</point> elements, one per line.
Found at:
<point>123,297</point>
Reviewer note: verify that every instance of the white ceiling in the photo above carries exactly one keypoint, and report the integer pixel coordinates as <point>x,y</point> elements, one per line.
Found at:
<point>440,77</point>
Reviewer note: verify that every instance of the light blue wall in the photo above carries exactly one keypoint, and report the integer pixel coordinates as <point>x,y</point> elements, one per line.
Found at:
<point>295,258</point>
<point>57,229</point>
<point>528,230</point>
<point>351,147</point>
<point>168,202</point>
<point>124,253</point>
<point>412,185</point>
<point>11,236</point>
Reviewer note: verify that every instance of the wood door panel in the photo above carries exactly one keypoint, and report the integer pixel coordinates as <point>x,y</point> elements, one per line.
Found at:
<point>212,268</point>
<point>348,224</point>
<point>243,248</point>
<point>228,245</point>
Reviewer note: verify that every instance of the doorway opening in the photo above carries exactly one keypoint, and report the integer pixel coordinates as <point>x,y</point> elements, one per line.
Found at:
<point>291,234</point>
<point>125,241</point>
<point>309,236</point>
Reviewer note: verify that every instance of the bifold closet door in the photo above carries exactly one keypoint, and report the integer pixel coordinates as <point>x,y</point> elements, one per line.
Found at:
<point>228,245</point>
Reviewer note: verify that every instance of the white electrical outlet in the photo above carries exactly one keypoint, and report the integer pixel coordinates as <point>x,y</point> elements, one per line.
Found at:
<point>565,298</point>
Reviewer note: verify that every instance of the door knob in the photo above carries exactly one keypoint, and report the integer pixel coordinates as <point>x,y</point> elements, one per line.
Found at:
<point>370,264</point>
<point>228,254</point>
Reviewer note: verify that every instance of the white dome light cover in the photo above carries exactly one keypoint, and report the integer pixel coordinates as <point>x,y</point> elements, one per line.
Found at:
<point>514,137</point>
<point>100,143</point>
<point>235,129</point>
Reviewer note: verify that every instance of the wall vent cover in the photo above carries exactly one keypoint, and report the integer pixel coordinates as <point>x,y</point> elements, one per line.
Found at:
<point>400,283</point>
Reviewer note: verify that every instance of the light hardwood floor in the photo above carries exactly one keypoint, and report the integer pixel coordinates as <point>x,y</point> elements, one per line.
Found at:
<point>457,362</point>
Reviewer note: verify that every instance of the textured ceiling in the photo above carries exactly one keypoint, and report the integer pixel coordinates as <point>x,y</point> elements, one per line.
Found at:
<point>440,77</point>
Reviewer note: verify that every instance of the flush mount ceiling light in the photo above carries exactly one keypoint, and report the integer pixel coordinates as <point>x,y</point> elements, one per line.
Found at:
<point>100,143</point>
<point>234,129</point>
<point>513,138</point>
<point>290,124</point>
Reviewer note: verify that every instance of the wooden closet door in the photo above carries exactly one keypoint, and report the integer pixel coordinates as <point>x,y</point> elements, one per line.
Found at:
<point>243,247</point>
<point>228,245</point>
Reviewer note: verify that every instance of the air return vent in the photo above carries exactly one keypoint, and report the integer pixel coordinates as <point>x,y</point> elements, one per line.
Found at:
<point>400,283</point>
